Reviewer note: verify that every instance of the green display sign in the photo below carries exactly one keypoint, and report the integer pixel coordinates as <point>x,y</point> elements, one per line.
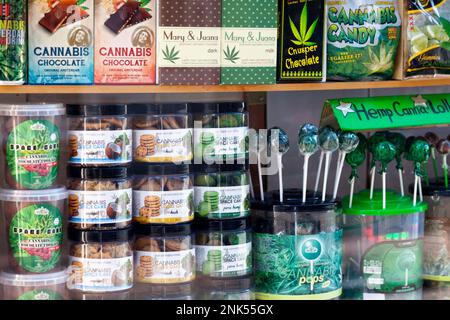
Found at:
<point>378,113</point>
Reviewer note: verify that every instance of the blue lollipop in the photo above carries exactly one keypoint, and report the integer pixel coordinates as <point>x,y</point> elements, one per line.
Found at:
<point>279,141</point>
<point>308,144</point>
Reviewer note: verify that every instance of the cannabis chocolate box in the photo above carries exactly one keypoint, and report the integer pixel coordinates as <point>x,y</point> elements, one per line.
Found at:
<point>189,42</point>
<point>301,41</point>
<point>61,41</point>
<point>249,42</point>
<point>125,42</point>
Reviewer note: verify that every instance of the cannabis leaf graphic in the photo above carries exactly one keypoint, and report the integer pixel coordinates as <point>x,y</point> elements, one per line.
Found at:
<point>302,35</point>
<point>380,62</point>
<point>231,55</point>
<point>171,55</point>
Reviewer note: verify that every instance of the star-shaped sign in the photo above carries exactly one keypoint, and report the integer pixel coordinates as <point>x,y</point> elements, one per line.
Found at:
<point>419,101</point>
<point>345,108</point>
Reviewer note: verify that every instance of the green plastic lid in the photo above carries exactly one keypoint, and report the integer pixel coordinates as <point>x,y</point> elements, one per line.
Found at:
<point>395,204</point>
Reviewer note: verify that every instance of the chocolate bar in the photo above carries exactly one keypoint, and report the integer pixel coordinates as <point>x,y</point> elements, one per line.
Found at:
<point>76,15</point>
<point>120,19</point>
<point>64,13</point>
<point>140,16</point>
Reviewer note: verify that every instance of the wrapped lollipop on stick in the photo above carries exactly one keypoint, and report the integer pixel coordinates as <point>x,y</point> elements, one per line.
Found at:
<point>374,140</point>
<point>258,146</point>
<point>433,140</point>
<point>322,155</point>
<point>443,147</point>
<point>329,143</point>
<point>308,144</point>
<point>399,141</point>
<point>354,159</point>
<point>279,139</point>
<point>419,153</point>
<point>384,152</point>
<point>348,142</point>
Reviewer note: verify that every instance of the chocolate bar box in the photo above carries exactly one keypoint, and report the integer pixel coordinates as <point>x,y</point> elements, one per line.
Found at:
<point>61,41</point>
<point>125,42</point>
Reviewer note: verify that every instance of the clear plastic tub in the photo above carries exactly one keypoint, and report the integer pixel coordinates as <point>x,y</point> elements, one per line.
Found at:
<point>32,136</point>
<point>33,229</point>
<point>162,133</point>
<point>240,288</point>
<point>383,249</point>
<point>162,194</point>
<point>50,286</point>
<point>298,247</point>
<point>182,291</point>
<point>99,135</point>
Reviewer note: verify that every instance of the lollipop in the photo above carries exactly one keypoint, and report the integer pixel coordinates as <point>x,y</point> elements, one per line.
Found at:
<point>279,141</point>
<point>308,128</point>
<point>258,146</point>
<point>354,159</point>
<point>419,153</point>
<point>384,152</point>
<point>399,141</point>
<point>329,142</point>
<point>308,144</point>
<point>322,154</point>
<point>348,142</point>
<point>433,140</point>
<point>374,140</point>
<point>443,147</point>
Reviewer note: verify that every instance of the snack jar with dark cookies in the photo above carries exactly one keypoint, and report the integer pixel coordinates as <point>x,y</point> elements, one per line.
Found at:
<point>31,143</point>
<point>33,229</point>
<point>99,135</point>
<point>100,198</point>
<point>162,133</point>
<point>164,254</point>
<point>100,262</point>
<point>163,193</point>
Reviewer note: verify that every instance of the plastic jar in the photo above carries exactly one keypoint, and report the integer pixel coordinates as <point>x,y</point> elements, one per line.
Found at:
<point>221,191</point>
<point>298,247</point>
<point>50,286</point>
<point>100,261</point>
<point>240,288</point>
<point>383,248</point>
<point>164,254</point>
<point>220,131</point>
<point>162,194</point>
<point>99,135</point>
<point>31,145</point>
<point>33,229</point>
<point>182,291</point>
<point>162,133</point>
<point>99,198</point>
<point>223,248</point>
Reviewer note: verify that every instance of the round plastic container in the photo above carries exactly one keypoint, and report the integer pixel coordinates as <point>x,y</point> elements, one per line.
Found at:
<point>240,288</point>
<point>164,254</point>
<point>32,136</point>
<point>163,292</point>
<point>100,261</point>
<point>99,135</point>
<point>220,132</point>
<point>163,194</point>
<point>101,296</point>
<point>50,286</point>
<point>221,191</point>
<point>99,198</point>
<point>298,247</point>
<point>383,248</point>
<point>223,248</point>
<point>162,133</point>
<point>33,229</point>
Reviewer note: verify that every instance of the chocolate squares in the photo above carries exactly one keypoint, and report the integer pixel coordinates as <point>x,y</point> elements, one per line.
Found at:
<point>65,12</point>
<point>128,15</point>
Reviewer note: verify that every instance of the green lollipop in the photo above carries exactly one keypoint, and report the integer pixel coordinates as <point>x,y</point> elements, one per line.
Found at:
<point>354,159</point>
<point>399,141</point>
<point>373,141</point>
<point>419,152</point>
<point>384,152</point>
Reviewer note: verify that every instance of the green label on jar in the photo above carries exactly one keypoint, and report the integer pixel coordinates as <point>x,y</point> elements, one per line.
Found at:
<point>35,237</point>
<point>40,295</point>
<point>298,267</point>
<point>32,153</point>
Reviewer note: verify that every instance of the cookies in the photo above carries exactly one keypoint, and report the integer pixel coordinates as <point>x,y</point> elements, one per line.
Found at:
<point>73,145</point>
<point>74,205</point>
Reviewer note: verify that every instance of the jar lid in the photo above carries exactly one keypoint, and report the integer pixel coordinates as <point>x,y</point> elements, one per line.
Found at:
<point>160,169</point>
<point>228,284</point>
<point>221,107</point>
<point>99,172</point>
<point>87,110</point>
<point>32,109</point>
<point>56,194</point>
<point>157,230</point>
<point>222,225</point>
<point>121,235</point>
<point>434,189</point>
<point>33,280</point>
<point>218,168</point>
<point>159,109</point>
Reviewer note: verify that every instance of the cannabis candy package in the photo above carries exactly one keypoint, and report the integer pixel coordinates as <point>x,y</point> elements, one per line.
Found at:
<point>428,38</point>
<point>363,38</point>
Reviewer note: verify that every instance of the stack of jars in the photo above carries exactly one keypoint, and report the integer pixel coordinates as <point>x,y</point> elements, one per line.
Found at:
<point>33,202</point>
<point>99,181</point>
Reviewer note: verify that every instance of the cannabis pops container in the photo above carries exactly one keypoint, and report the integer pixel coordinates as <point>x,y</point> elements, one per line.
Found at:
<point>383,248</point>
<point>297,248</point>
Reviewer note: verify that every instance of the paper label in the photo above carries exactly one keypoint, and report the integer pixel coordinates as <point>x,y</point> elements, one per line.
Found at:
<point>221,143</point>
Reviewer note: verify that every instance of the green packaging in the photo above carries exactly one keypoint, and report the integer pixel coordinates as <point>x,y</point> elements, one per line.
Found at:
<point>301,44</point>
<point>249,42</point>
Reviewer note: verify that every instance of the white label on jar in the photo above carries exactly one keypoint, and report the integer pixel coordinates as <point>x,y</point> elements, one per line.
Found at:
<point>163,145</point>
<point>219,143</point>
<point>222,202</point>
<point>165,267</point>
<point>100,207</point>
<point>100,275</point>
<point>100,147</point>
<point>224,260</point>
<point>163,206</point>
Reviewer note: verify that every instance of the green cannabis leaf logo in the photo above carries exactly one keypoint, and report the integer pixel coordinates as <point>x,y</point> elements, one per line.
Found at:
<point>170,54</point>
<point>380,62</point>
<point>302,35</point>
<point>231,55</point>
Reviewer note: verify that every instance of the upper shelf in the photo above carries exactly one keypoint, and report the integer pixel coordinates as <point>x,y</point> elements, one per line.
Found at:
<point>111,89</point>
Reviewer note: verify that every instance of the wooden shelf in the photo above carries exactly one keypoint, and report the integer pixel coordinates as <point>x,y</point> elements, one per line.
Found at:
<point>123,89</point>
